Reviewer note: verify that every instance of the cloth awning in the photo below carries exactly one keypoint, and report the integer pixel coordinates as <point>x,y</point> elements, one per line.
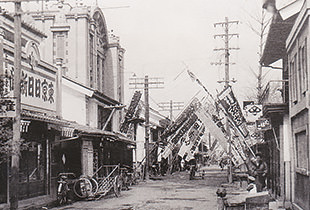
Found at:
<point>275,47</point>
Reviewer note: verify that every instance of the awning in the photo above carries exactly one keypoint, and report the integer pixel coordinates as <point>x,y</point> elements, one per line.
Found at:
<point>84,130</point>
<point>275,48</point>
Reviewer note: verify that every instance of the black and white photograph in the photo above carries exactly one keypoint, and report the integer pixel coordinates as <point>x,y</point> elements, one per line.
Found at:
<point>154,105</point>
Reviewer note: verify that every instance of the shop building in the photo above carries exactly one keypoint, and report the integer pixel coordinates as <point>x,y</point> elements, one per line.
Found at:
<point>72,109</point>
<point>158,123</point>
<point>288,41</point>
<point>92,85</point>
<point>41,123</point>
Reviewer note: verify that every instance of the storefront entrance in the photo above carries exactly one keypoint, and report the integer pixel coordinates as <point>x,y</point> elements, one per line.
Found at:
<point>33,162</point>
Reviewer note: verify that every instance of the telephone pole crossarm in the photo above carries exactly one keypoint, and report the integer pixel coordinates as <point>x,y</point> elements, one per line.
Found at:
<point>225,35</point>
<point>230,48</point>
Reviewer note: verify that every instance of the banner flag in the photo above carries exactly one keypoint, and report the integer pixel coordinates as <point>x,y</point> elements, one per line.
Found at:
<point>215,131</point>
<point>236,159</point>
<point>231,106</point>
<point>174,139</point>
<point>237,143</point>
<point>195,144</point>
<point>194,78</point>
<point>190,137</point>
<point>181,119</point>
<point>130,111</point>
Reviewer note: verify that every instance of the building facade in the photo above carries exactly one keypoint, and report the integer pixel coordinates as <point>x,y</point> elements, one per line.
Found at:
<point>41,123</point>
<point>92,84</point>
<point>288,40</point>
<point>72,95</point>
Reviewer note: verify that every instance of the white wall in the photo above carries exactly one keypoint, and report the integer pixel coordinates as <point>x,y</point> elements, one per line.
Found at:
<point>140,143</point>
<point>73,105</point>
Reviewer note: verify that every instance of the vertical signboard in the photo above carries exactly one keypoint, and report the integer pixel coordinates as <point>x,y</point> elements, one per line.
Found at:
<point>7,107</point>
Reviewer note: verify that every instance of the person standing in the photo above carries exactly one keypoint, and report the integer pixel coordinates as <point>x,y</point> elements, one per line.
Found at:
<point>193,165</point>
<point>260,173</point>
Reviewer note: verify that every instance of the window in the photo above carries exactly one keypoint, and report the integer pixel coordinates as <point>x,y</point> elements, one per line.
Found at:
<point>103,116</point>
<point>293,79</point>
<point>98,72</point>
<point>91,60</point>
<point>302,150</point>
<point>102,76</point>
<point>304,70</point>
<point>300,72</point>
<point>60,46</point>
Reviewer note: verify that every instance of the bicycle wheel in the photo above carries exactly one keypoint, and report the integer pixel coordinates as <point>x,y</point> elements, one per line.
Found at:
<point>95,185</point>
<point>117,186</point>
<point>82,188</point>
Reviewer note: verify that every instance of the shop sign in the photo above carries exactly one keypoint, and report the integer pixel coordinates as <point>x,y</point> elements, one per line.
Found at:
<point>37,90</point>
<point>7,107</point>
<point>231,106</point>
<point>263,124</point>
<point>253,112</point>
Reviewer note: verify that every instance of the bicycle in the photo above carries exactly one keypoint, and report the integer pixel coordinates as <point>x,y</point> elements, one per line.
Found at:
<point>63,189</point>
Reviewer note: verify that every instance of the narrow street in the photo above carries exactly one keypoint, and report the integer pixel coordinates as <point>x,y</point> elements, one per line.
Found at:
<point>172,192</point>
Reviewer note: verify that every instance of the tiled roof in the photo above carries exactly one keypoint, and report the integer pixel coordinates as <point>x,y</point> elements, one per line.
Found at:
<point>26,114</point>
<point>87,130</point>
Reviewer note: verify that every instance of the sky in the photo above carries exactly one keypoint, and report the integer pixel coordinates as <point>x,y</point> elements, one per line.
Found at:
<point>163,38</point>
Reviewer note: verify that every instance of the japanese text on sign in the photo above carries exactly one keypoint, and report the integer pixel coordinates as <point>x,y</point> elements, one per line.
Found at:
<point>7,107</point>
<point>36,90</point>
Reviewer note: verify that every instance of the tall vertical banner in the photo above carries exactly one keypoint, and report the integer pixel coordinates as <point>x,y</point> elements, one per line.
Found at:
<point>190,138</point>
<point>182,118</point>
<point>194,144</point>
<point>214,129</point>
<point>178,135</point>
<point>131,111</point>
<point>231,106</point>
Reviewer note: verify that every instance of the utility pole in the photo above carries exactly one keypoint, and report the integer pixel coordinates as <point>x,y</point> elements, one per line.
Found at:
<point>16,121</point>
<point>171,106</point>
<point>227,36</point>
<point>14,179</point>
<point>146,84</point>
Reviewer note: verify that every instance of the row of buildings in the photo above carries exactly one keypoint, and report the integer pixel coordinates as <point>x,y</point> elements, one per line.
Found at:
<point>72,94</point>
<point>286,103</point>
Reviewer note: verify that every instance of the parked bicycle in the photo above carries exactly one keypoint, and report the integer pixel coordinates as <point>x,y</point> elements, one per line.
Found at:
<point>64,194</point>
